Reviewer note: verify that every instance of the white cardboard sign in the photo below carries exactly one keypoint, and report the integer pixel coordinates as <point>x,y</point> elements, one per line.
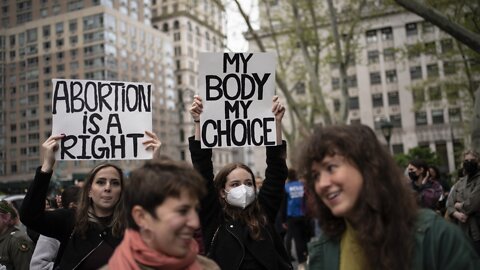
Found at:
<point>237,91</point>
<point>101,120</point>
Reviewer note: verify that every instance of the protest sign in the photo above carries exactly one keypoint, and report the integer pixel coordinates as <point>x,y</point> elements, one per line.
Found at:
<point>237,91</point>
<point>101,119</point>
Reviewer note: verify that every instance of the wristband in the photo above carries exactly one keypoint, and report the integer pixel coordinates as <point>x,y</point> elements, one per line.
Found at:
<point>196,121</point>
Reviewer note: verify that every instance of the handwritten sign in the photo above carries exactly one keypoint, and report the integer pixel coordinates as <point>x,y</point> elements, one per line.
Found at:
<point>237,91</point>
<point>101,119</point>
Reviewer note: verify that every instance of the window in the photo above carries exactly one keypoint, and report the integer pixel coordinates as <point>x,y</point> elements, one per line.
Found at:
<point>455,115</point>
<point>449,68</point>
<point>397,149</point>
<point>413,51</point>
<point>165,27</point>
<point>46,31</point>
<point>371,36</point>
<point>72,26</point>
<point>391,76</point>
<point>432,71</point>
<point>377,100</point>
<point>59,28</point>
<point>430,48</point>
<point>437,116</point>
<point>411,29</point>
<point>421,119</point>
<point>396,120</point>
<point>416,73</point>
<point>73,40</point>
<point>352,81</point>
<point>375,78</point>
<point>388,54</point>
<point>335,83</point>
<point>446,45</point>
<point>427,27</point>
<point>176,36</point>
<point>393,98</point>
<point>336,105</point>
<point>353,103</point>
<point>60,42</point>
<point>435,93</point>
<point>31,35</point>
<point>373,56</point>
<point>418,94</point>
<point>46,45</point>
<point>387,33</point>
<point>93,22</point>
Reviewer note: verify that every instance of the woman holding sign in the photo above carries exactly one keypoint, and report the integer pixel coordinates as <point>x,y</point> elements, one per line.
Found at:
<point>237,219</point>
<point>89,235</point>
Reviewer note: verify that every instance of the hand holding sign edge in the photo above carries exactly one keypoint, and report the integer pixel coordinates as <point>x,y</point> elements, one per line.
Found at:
<point>279,111</point>
<point>49,147</point>
<point>195,110</point>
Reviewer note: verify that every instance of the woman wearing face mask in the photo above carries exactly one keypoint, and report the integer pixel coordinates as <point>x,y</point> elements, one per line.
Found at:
<point>89,234</point>
<point>367,213</point>
<point>463,204</point>
<point>428,191</point>
<point>237,219</point>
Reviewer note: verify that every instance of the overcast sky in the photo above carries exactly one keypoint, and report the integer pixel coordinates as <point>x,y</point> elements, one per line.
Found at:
<point>236,25</point>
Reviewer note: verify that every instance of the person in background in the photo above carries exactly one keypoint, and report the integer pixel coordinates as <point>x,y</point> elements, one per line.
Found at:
<point>436,176</point>
<point>463,205</point>
<point>236,219</point>
<point>367,212</point>
<point>89,234</point>
<point>258,182</point>
<point>294,219</point>
<point>428,190</point>
<point>46,249</point>
<point>161,199</point>
<point>16,248</point>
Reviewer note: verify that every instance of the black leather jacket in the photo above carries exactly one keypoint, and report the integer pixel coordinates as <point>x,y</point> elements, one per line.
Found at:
<point>59,224</point>
<point>226,240</point>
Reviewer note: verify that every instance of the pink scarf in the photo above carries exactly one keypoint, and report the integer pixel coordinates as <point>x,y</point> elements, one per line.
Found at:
<point>133,250</point>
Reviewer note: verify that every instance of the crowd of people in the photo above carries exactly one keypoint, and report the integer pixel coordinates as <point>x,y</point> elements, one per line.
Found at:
<point>345,204</point>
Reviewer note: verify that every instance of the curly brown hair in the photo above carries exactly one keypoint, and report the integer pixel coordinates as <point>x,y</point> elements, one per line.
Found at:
<point>386,210</point>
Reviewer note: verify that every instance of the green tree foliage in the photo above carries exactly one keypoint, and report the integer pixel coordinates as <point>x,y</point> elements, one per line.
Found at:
<point>423,153</point>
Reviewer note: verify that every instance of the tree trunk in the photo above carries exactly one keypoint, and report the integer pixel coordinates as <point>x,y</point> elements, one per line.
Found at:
<point>462,34</point>
<point>476,122</point>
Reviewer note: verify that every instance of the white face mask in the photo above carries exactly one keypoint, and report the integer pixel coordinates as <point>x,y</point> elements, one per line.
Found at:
<point>241,196</point>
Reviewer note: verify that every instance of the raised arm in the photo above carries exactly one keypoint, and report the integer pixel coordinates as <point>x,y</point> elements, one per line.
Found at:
<point>272,191</point>
<point>279,111</point>
<point>195,110</point>
<point>57,223</point>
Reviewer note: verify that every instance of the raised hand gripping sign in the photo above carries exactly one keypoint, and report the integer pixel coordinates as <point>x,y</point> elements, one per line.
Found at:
<point>101,119</point>
<point>237,91</point>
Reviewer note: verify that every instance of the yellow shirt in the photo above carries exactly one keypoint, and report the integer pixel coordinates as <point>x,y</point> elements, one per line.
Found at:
<point>351,254</point>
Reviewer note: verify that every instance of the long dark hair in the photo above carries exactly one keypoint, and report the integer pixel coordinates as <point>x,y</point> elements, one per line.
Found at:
<point>386,210</point>
<point>118,222</point>
<point>252,216</point>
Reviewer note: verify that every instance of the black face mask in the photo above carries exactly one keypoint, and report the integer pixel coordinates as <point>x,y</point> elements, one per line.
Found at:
<point>413,176</point>
<point>470,166</point>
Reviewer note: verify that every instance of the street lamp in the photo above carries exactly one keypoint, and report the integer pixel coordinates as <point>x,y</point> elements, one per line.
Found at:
<point>386,128</point>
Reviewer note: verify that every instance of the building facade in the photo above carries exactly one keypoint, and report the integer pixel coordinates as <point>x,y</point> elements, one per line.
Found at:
<point>404,71</point>
<point>93,39</point>
<point>195,26</point>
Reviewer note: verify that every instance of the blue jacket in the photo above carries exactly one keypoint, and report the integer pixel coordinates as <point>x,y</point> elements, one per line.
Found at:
<point>439,245</point>
<point>294,192</point>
